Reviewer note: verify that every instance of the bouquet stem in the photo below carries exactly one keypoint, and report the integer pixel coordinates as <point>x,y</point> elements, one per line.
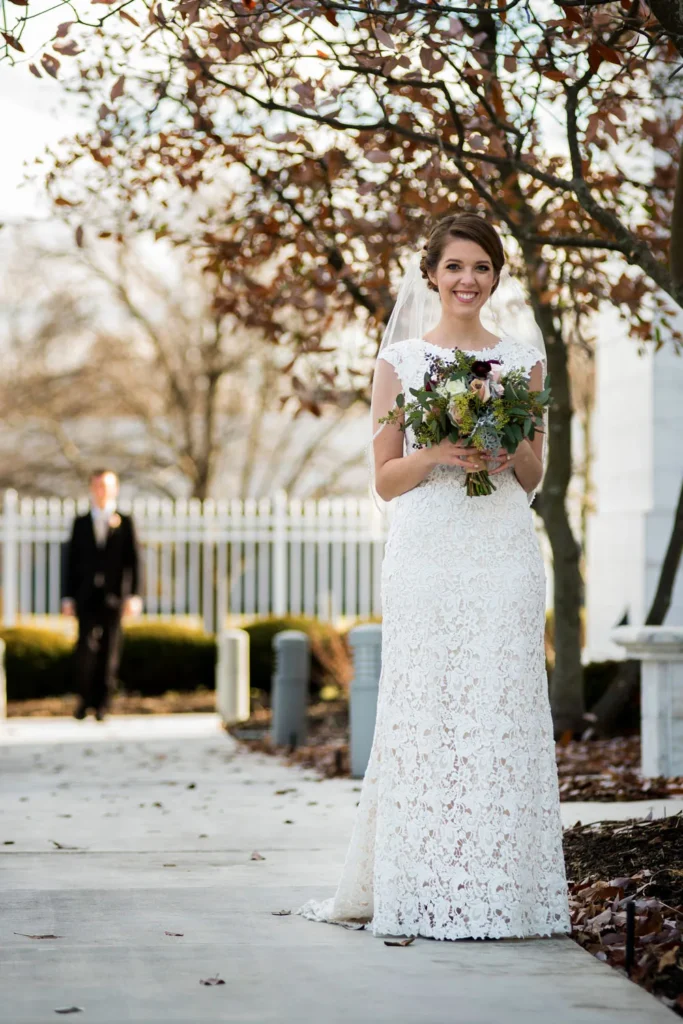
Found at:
<point>479,484</point>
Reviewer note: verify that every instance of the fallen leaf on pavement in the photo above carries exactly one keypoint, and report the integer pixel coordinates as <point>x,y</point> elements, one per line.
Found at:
<point>216,980</point>
<point>399,942</point>
<point>281,913</point>
<point>256,856</point>
<point>39,936</point>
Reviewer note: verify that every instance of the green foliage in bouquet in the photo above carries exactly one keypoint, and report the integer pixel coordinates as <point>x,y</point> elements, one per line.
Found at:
<point>472,401</point>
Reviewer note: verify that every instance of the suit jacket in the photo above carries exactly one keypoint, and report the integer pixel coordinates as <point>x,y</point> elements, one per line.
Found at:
<point>110,573</point>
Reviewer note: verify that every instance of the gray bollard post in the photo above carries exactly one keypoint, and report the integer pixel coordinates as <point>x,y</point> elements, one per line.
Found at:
<point>366,644</point>
<point>3,682</point>
<point>290,687</point>
<point>232,676</point>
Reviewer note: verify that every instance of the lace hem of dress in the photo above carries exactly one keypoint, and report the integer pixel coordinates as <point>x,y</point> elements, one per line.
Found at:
<point>540,927</point>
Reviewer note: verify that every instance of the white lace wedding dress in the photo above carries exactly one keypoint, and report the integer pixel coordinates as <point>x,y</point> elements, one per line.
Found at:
<point>457,831</point>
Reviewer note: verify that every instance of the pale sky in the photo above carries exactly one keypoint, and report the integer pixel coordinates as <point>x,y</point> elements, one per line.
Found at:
<point>33,114</point>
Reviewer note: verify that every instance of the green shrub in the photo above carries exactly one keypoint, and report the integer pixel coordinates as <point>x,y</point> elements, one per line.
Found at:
<point>330,657</point>
<point>37,663</point>
<point>157,657</point>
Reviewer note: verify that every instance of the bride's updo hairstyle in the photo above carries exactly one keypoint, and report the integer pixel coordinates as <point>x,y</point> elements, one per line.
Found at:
<point>462,225</point>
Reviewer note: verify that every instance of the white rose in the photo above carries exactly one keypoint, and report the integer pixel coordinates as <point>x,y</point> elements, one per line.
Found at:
<point>456,387</point>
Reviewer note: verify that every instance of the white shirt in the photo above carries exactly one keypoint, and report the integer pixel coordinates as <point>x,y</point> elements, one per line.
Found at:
<point>100,522</point>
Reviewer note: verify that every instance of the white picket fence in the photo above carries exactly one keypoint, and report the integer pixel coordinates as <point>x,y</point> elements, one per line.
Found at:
<point>218,560</point>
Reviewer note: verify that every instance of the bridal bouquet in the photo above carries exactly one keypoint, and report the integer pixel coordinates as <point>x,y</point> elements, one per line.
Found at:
<point>473,401</point>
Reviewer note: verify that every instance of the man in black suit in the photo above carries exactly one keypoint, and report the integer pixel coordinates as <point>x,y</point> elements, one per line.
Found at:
<point>101,584</point>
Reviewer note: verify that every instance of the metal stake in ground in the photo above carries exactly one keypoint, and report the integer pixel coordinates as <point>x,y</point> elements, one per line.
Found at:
<point>630,936</point>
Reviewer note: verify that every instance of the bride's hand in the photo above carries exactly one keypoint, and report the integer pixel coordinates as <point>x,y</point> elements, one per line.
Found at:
<point>499,461</point>
<point>448,453</point>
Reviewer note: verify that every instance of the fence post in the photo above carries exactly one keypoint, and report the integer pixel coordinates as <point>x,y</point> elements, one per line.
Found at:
<point>232,676</point>
<point>366,644</point>
<point>280,554</point>
<point>10,547</point>
<point>290,687</point>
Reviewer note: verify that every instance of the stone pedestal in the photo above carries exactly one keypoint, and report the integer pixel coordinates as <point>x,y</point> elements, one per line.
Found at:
<point>660,652</point>
<point>232,676</point>
<point>366,644</point>
<point>290,687</point>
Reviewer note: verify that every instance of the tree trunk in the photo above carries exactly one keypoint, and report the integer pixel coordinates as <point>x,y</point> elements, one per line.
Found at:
<point>566,689</point>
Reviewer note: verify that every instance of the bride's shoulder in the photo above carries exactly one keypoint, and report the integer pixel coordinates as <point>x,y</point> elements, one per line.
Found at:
<point>400,351</point>
<point>520,353</point>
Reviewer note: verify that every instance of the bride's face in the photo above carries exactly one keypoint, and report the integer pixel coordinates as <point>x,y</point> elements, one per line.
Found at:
<point>464,278</point>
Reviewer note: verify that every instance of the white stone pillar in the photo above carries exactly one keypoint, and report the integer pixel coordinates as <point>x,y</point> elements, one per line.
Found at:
<point>637,473</point>
<point>660,652</point>
<point>232,676</point>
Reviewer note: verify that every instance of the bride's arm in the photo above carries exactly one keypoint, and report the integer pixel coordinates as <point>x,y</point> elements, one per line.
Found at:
<point>396,473</point>
<point>528,459</point>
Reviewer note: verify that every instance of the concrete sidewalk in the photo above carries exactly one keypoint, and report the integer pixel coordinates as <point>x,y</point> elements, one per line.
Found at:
<point>113,835</point>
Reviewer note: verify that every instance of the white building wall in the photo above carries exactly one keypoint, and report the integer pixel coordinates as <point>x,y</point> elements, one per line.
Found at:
<point>638,450</point>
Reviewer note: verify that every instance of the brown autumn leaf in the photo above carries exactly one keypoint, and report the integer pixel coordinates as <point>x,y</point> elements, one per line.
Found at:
<point>20,3</point>
<point>129,17</point>
<point>117,88</point>
<point>399,942</point>
<point>12,41</point>
<point>383,37</point>
<point>668,959</point>
<point>26,936</point>
<point>68,48</point>
<point>34,71</point>
<point>50,64</point>
<point>63,29</point>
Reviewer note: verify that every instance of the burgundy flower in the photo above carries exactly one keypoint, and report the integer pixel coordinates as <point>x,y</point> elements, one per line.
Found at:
<point>428,386</point>
<point>481,367</point>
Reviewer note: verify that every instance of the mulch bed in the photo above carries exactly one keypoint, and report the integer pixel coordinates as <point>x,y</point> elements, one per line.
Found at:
<point>613,863</point>
<point>602,770</point>
<point>170,703</point>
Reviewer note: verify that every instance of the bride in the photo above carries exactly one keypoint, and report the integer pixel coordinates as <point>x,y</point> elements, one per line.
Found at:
<point>457,832</point>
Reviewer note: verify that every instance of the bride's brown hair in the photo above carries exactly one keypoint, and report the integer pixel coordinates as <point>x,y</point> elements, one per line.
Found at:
<point>462,225</point>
